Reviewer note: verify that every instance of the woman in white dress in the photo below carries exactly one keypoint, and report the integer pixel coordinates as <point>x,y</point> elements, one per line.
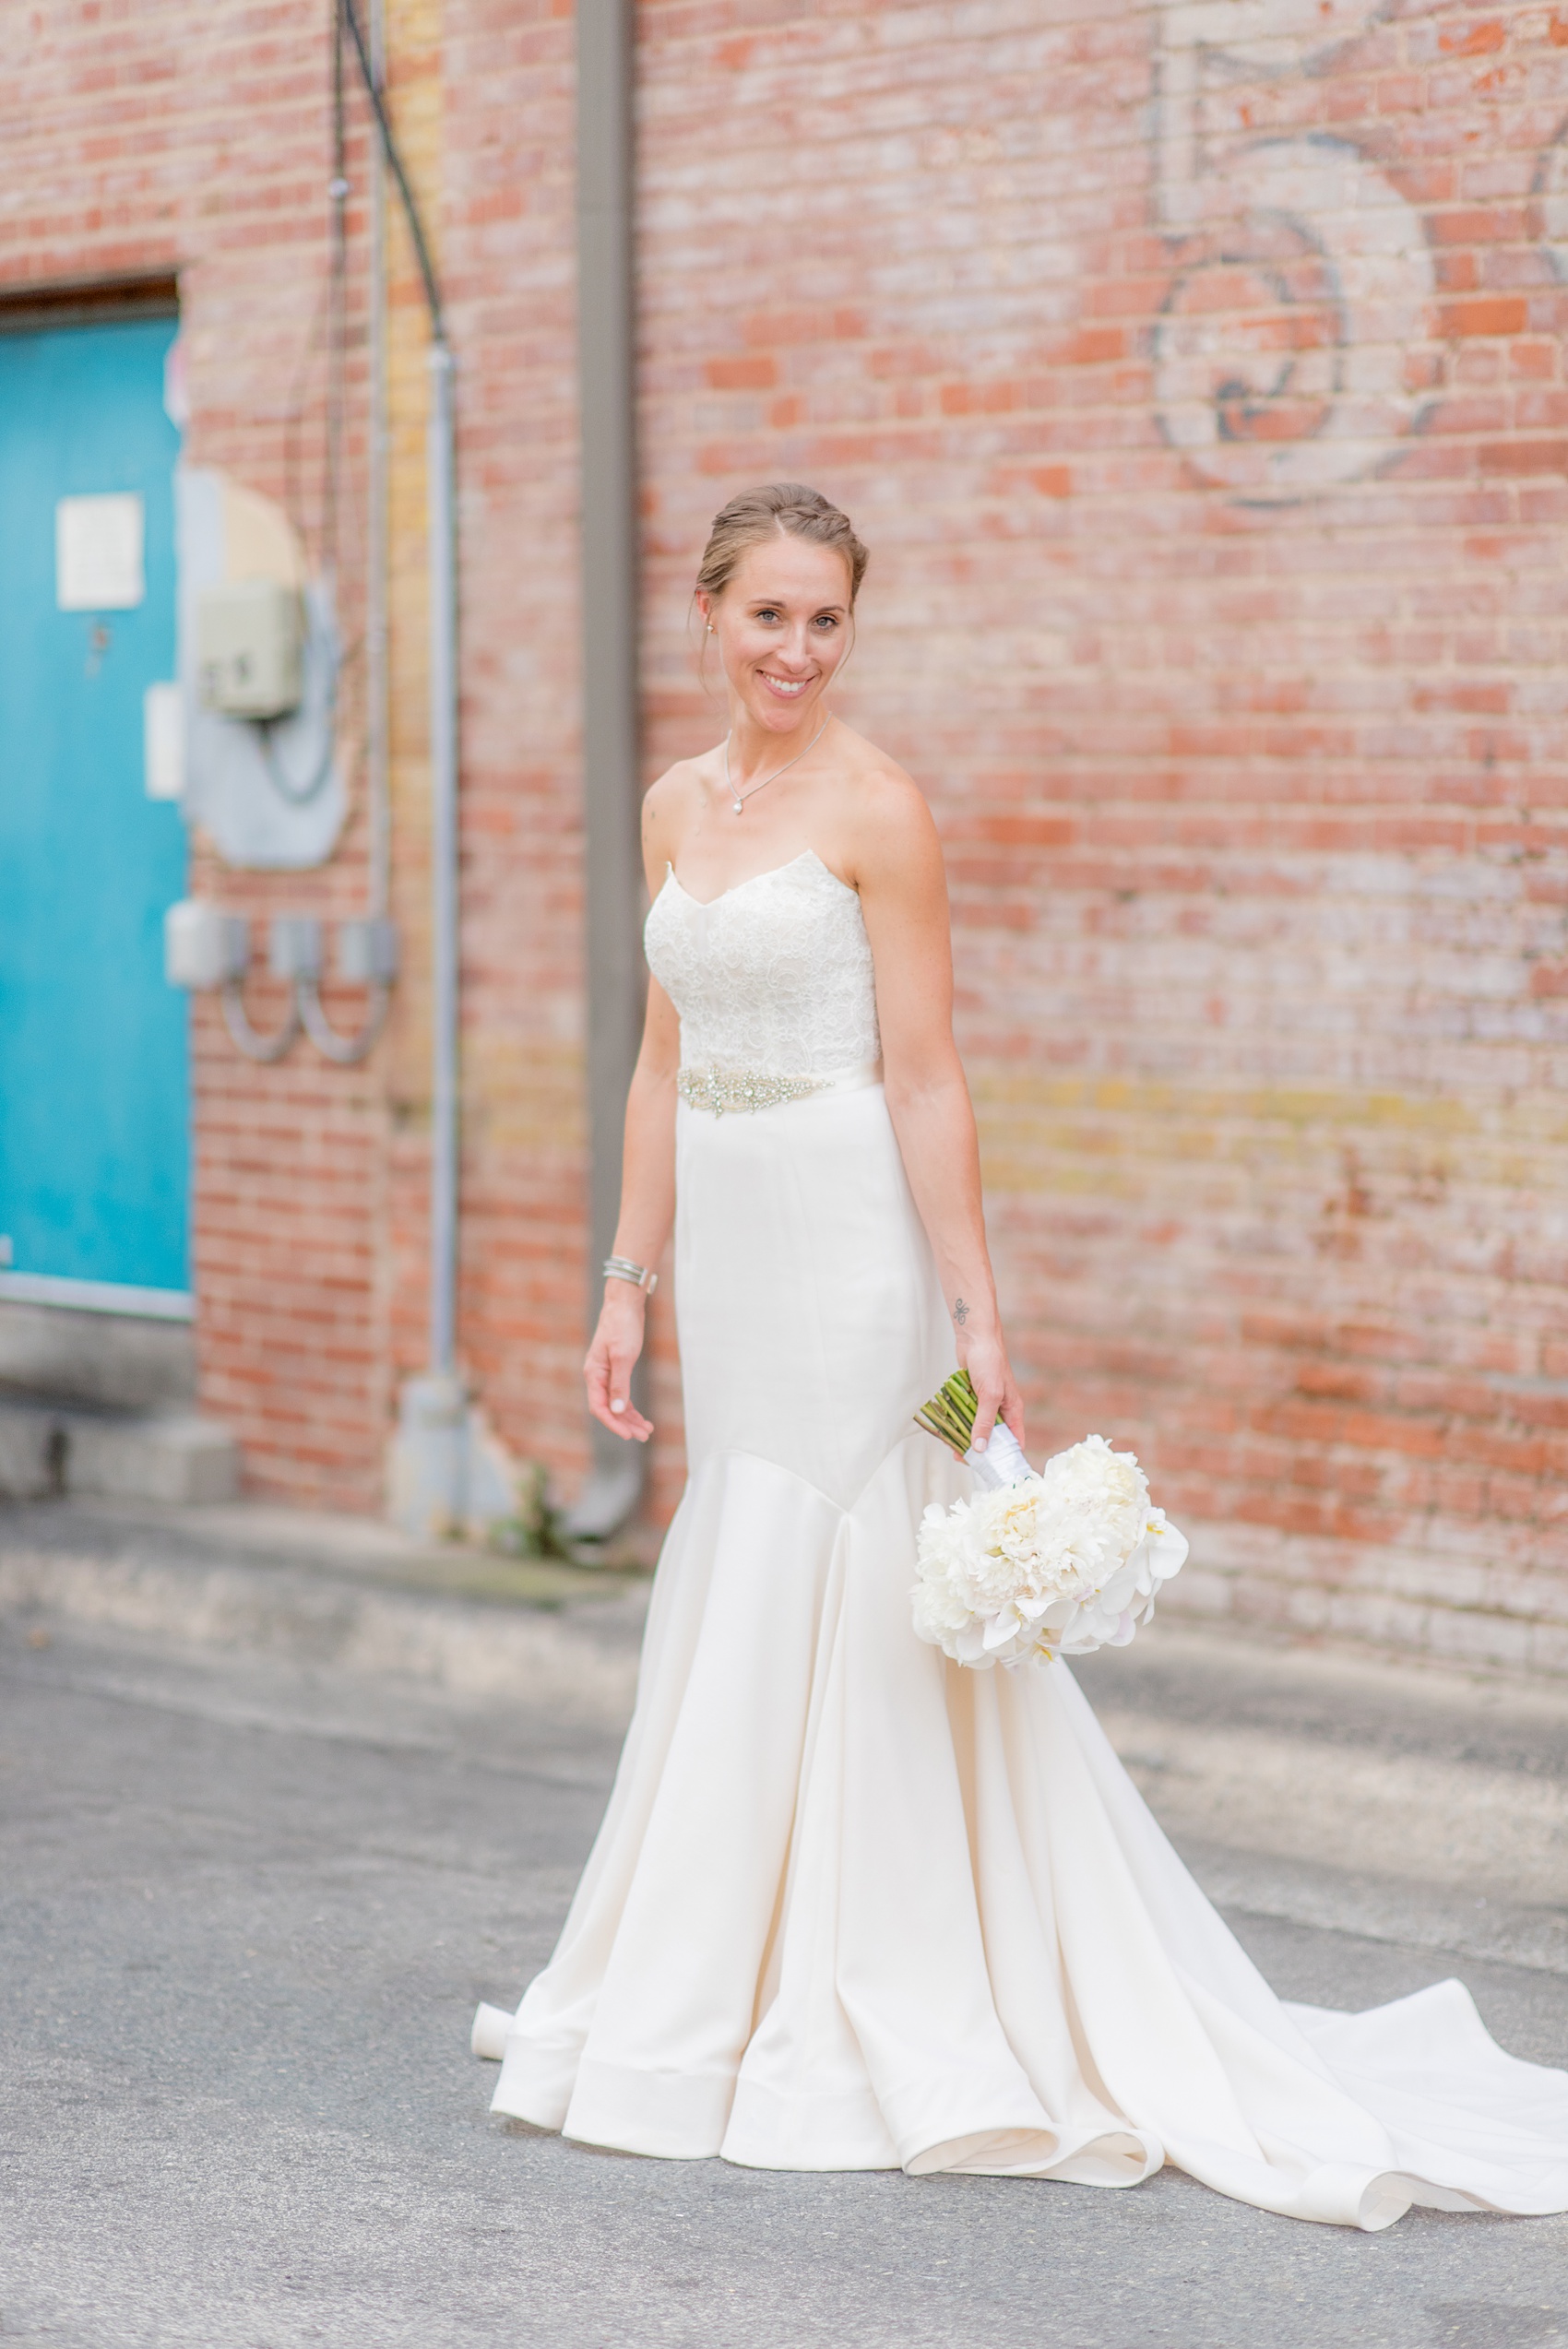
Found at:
<point>853,1907</point>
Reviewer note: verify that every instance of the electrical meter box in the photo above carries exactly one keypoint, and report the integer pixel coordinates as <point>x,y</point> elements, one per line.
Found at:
<point>250,639</point>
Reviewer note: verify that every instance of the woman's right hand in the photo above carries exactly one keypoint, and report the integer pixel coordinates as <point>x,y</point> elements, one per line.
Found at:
<point>617,1342</point>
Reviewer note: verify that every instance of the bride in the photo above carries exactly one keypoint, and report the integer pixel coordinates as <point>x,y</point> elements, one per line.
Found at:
<point>853,1907</point>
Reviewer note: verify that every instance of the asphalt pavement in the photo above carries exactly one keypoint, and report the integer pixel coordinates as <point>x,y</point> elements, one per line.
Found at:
<point>247,1905</point>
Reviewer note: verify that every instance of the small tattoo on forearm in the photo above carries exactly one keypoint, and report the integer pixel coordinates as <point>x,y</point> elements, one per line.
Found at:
<point>960,1312</point>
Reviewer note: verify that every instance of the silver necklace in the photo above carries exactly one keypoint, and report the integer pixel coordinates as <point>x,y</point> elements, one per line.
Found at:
<point>738,799</point>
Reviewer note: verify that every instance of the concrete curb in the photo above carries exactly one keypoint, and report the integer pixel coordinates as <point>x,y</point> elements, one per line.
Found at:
<point>1501,1835</point>
<point>1405,1806</point>
<point>580,1663</point>
<point>172,1456</point>
<point>1417,1915</point>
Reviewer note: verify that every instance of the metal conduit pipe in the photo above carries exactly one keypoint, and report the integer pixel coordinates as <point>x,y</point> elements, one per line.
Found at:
<point>441,1407</point>
<point>613,865</point>
<point>605,55</point>
<point>377,746</point>
<point>441,525</point>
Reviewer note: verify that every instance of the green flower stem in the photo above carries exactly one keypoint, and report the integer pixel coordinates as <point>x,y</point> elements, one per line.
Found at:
<point>950,1414</point>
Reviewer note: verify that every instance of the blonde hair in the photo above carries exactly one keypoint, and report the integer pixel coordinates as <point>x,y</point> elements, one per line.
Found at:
<point>785,507</point>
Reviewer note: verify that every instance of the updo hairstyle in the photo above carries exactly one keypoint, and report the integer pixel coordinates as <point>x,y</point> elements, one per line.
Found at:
<point>757,515</point>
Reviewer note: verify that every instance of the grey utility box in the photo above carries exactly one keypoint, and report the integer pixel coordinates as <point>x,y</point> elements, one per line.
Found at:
<point>250,640</point>
<point>203,946</point>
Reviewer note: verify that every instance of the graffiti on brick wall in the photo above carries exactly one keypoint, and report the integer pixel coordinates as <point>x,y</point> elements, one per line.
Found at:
<point>1291,355</point>
<point>1295,351</point>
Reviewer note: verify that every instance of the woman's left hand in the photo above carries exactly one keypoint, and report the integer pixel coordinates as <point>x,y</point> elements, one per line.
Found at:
<point>983,1354</point>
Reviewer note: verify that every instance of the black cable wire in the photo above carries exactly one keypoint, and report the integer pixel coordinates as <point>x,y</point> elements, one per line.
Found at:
<point>395,165</point>
<point>298,794</point>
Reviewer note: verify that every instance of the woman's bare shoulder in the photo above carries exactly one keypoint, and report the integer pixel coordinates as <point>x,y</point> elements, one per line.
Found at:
<point>678,784</point>
<point>669,804</point>
<point>887,821</point>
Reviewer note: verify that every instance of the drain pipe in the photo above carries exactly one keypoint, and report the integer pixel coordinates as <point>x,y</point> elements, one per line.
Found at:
<point>440,455</point>
<point>436,1432</point>
<point>377,744</point>
<point>613,861</point>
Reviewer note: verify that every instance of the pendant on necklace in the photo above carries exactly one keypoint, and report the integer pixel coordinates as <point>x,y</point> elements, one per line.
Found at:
<point>740,807</point>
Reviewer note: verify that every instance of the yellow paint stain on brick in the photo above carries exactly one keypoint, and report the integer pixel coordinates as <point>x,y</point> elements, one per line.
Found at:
<point>999,1089</point>
<point>415,103</point>
<point>1125,1138</point>
<point>524,1094</point>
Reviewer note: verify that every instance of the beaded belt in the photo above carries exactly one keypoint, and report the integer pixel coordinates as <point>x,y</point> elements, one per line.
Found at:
<point>721,1089</point>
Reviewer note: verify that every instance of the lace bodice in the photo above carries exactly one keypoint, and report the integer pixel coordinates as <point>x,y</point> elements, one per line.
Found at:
<point>774,976</point>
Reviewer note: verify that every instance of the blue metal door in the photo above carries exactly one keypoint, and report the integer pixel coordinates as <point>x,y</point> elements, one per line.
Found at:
<point>94,1087</point>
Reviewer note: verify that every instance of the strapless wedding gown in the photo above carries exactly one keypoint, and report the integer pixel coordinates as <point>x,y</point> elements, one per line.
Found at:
<point>853,1907</point>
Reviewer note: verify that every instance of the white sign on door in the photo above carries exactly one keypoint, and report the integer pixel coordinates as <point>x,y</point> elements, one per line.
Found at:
<point>98,552</point>
<point>163,741</point>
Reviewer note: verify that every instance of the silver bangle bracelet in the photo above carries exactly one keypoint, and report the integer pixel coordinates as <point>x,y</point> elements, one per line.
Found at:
<point>623,1268</point>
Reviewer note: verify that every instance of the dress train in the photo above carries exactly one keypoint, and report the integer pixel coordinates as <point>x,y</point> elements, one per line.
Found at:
<point>851,1907</point>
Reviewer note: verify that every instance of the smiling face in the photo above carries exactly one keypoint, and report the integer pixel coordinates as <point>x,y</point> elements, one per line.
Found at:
<point>782,628</point>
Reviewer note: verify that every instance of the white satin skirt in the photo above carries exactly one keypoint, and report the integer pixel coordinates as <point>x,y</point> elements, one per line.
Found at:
<point>853,1907</point>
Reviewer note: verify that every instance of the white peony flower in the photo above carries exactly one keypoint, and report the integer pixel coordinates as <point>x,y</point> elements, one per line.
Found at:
<point>1059,1563</point>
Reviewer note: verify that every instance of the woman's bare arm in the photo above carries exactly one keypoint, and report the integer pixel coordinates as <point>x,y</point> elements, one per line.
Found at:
<point>898,867</point>
<point>647,1210</point>
<point>648,1176</point>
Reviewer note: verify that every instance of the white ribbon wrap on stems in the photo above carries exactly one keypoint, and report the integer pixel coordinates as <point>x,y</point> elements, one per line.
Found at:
<point>1000,1463</point>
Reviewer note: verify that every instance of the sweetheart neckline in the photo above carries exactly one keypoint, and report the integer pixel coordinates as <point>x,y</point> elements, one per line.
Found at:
<point>736,886</point>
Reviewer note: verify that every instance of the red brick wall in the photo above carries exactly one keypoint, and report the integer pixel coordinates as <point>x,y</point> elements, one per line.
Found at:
<point>1235,674</point>
<point>509,232</point>
<point>1253,810</point>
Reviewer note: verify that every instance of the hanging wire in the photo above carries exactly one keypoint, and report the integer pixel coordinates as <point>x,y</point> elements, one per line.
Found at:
<point>344,1051</point>
<point>329,324</point>
<point>335,539</point>
<point>395,165</point>
<point>251,1041</point>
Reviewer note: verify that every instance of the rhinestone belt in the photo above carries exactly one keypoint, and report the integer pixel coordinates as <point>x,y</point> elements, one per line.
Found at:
<point>722,1089</point>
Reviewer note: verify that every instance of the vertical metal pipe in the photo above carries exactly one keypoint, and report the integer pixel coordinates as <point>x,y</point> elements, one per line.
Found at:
<point>376,743</point>
<point>437,1432</point>
<point>443,1138</point>
<point>606,380</point>
<point>337,322</point>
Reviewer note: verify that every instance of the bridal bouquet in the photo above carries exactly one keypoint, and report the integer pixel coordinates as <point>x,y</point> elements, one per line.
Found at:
<point>1037,1565</point>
